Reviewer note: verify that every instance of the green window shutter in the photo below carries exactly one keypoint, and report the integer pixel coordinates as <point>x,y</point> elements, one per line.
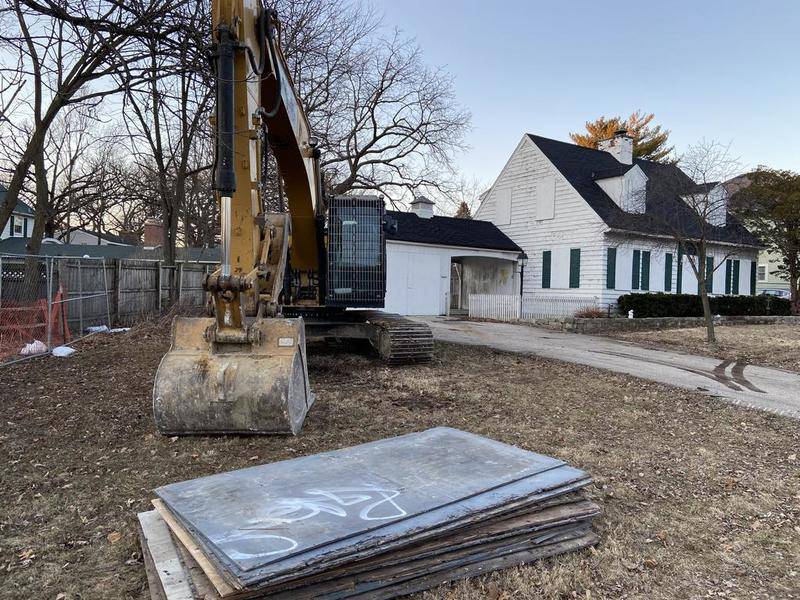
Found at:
<point>575,268</point>
<point>753,268</point>
<point>735,289</point>
<point>710,274</point>
<point>546,259</point>
<point>679,273</point>
<point>668,272</point>
<point>728,270</point>
<point>645,283</point>
<point>636,269</point>
<point>24,227</point>
<point>11,225</point>
<point>611,269</point>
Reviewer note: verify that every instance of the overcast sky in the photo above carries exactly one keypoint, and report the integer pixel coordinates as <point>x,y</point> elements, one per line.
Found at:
<point>725,71</point>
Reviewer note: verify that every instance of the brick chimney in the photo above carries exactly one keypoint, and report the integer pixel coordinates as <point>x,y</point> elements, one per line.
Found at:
<point>620,146</point>
<point>153,233</point>
<point>422,207</point>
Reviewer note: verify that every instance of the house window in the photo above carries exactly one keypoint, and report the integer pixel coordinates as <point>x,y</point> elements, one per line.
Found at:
<point>762,272</point>
<point>668,272</point>
<point>545,197</point>
<point>575,268</point>
<point>503,207</point>
<point>640,270</point>
<point>16,226</point>
<point>546,268</point>
<point>611,268</point>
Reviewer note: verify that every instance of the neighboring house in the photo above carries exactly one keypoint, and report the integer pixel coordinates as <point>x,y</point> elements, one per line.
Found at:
<point>598,223</point>
<point>433,263</point>
<point>20,225</point>
<point>768,277</point>
<point>89,238</point>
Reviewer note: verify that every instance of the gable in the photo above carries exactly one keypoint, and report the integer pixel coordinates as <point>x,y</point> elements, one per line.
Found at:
<point>537,192</point>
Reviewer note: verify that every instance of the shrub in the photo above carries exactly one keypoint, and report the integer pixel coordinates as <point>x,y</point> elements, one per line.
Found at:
<point>590,312</point>
<point>690,305</point>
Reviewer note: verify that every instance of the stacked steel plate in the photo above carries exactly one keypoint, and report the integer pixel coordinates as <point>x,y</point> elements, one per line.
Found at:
<point>378,520</point>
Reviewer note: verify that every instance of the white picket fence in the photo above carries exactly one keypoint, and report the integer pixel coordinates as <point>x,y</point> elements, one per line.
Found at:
<point>531,307</point>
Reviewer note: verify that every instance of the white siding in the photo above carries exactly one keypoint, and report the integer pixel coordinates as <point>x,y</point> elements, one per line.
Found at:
<point>418,275</point>
<point>572,223</point>
<point>18,220</point>
<point>658,250</point>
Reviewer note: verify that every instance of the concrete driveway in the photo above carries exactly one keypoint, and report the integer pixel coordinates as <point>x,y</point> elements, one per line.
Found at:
<point>764,388</point>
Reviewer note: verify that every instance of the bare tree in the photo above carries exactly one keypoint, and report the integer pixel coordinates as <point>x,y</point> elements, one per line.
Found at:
<point>70,51</point>
<point>168,119</point>
<point>387,122</point>
<point>696,213</point>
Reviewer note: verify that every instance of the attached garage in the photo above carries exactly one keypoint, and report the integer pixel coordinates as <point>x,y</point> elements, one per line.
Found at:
<point>433,263</point>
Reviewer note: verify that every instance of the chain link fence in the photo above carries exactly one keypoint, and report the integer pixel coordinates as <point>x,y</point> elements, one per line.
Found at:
<point>46,302</point>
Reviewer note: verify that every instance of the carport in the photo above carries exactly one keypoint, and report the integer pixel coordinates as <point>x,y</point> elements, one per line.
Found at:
<point>433,263</point>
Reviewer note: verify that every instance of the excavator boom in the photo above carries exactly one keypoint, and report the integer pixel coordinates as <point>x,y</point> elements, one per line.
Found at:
<point>232,373</point>
<point>245,370</point>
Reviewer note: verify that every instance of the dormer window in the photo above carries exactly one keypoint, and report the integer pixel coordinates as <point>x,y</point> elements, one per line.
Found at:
<point>626,186</point>
<point>709,200</point>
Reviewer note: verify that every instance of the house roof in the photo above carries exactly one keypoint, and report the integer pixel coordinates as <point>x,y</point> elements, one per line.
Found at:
<point>449,231</point>
<point>109,237</point>
<point>21,208</point>
<point>18,246</point>
<point>665,211</point>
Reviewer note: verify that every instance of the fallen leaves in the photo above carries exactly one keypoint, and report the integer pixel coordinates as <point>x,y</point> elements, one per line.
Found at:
<point>114,537</point>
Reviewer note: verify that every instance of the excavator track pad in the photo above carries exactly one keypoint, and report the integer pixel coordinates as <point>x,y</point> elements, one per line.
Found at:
<point>400,341</point>
<point>260,387</point>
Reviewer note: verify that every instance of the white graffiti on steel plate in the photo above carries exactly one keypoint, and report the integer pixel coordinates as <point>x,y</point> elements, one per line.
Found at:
<point>376,504</point>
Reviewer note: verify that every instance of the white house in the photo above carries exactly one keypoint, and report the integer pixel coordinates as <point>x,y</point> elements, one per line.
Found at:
<point>598,223</point>
<point>433,263</point>
<point>20,225</point>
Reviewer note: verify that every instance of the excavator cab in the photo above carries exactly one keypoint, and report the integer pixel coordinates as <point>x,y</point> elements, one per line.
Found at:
<point>283,275</point>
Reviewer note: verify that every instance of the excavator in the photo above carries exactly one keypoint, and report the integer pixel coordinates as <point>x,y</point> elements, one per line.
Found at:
<point>315,268</point>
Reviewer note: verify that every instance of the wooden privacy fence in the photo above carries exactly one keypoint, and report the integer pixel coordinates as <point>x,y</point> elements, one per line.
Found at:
<point>77,293</point>
<point>529,307</point>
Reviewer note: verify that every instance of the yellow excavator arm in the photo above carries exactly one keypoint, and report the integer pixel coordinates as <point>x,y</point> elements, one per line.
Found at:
<point>234,374</point>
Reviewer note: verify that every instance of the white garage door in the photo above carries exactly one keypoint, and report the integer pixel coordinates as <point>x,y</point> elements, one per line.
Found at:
<point>413,282</point>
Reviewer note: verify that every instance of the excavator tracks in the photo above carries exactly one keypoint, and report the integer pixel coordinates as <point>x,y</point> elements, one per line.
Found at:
<point>398,340</point>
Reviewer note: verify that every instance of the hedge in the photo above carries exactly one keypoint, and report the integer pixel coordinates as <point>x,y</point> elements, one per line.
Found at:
<point>690,305</point>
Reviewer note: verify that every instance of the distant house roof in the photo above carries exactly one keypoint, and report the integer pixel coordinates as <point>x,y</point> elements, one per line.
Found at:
<point>449,231</point>
<point>109,237</point>
<point>665,211</point>
<point>18,246</point>
<point>21,208</point>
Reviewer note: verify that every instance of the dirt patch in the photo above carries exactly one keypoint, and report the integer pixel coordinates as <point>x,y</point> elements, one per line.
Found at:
<point>701,498</point>
<point>767,345</point>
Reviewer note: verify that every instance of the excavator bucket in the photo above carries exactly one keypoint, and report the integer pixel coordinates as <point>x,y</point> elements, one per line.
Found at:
<point>204,387</point>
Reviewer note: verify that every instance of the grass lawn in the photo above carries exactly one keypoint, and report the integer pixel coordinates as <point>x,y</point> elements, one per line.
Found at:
<point>768,345</point>
<point>701,498</point>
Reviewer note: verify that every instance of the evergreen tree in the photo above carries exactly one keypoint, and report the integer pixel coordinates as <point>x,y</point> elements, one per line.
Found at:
<point>650,142</point>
